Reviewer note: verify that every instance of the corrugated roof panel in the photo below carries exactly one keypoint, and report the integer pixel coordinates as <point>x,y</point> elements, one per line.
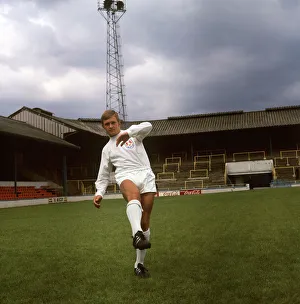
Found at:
<point>203,123</point>
<point>18,128</point>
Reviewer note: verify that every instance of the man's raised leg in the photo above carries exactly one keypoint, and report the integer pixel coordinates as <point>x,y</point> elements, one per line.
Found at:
<point>134,213</point>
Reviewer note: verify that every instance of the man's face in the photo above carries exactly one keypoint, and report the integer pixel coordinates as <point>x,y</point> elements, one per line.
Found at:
<point>112,126</point>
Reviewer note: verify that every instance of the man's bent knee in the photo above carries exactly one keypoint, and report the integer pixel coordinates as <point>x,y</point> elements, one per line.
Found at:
<point>130,191</point>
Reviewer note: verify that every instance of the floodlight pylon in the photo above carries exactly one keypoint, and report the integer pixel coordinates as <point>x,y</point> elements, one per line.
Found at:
<point>112,11</point>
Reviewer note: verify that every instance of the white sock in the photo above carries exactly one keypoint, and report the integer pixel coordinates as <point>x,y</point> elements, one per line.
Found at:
<point>134,214</point>
<point>140,254</point>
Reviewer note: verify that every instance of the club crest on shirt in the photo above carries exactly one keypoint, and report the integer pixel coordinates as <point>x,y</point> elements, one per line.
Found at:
<point>129,144</point>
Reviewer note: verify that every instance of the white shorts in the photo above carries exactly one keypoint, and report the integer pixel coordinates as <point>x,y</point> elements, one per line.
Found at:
<point>143,179</point>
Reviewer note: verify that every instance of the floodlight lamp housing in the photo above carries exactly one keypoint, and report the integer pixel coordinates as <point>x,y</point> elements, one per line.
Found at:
<point>120,5</point>
<point>112,6</point>
<point>107,4</point>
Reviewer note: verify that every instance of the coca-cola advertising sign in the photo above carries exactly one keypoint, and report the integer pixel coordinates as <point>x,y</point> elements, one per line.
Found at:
<point>169,193</point>
<point>190,192</point>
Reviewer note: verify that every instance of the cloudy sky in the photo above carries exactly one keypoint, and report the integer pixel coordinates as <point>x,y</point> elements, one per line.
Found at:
<point>180,57</point>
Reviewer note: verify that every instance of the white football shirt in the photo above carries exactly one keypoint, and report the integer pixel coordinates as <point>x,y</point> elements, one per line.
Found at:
<point>130,157</point>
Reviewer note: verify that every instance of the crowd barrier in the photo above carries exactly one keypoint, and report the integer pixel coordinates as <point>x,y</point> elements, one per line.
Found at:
<point>68,199</point>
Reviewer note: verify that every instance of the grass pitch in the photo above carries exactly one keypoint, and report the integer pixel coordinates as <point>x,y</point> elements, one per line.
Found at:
<point>240,247</point>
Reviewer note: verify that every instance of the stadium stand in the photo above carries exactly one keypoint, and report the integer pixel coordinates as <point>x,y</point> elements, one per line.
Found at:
<point>154,158</point>
<point>26,192</point>
<point>183,140</point>
<point>204,170</point>
<point>182,155</point>
<point>193,184</point>
<point>287,165</point>
<point>290,153</point>
<point>249,155</point>
<point>286,173</point>
<point>27,152</point>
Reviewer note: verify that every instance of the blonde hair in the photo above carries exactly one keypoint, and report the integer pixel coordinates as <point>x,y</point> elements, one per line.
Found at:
<point>109,114</point>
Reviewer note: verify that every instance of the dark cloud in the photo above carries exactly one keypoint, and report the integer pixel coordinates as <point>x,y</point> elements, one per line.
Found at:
<point>40,3</point>
<point>180,57</point>
<point>265,34</point>
<point>289,4</point>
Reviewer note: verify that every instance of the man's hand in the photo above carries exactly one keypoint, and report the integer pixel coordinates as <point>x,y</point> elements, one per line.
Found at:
<point>97,201</point>
<point>122,138</point>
